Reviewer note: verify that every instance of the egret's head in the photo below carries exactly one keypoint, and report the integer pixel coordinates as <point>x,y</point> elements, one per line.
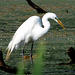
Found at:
<point>55,18</point>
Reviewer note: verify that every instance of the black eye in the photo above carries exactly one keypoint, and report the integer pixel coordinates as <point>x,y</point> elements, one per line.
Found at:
<point>56,18</point>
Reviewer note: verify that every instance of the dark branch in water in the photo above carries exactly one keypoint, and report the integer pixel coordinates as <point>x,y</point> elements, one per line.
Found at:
<point>37,8</point>
<point>71,54</point>
<point>7,68</point>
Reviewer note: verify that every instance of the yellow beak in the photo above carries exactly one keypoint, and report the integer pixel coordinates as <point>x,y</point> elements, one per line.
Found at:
<point>60,23</point>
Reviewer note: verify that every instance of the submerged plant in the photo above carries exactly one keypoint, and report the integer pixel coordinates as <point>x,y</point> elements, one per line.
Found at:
<point>20,69</point>
<point>38,62</point>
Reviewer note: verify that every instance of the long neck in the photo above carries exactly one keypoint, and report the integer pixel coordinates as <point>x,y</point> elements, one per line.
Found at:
<point>46,24</point>
<point>40,31</point>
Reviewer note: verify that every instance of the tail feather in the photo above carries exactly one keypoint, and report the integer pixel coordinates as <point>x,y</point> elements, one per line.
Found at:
<point>10,49</point>
<point>8,54</point>
<point>12,45</point>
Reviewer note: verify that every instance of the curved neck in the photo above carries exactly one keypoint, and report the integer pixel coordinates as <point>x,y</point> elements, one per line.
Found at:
<point>45,23</point>
<point>40,31</point>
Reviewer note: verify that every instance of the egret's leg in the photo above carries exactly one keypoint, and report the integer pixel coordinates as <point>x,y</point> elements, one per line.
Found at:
<point>23,55</point>
<point>31,53</point>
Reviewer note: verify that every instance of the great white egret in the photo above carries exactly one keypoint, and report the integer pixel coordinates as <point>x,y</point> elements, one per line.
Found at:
<point>30,31</point>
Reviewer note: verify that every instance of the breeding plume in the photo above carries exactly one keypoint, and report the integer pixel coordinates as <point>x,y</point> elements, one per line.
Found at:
<point>30,31</point>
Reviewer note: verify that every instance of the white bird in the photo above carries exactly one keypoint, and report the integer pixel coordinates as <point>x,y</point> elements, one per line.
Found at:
<point>30,31</point>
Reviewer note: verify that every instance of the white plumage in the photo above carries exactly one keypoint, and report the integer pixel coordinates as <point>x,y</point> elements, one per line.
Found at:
<point>24,32</point>
<point>30,31</point>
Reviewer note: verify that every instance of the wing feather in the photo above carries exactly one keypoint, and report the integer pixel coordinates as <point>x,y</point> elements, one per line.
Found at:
<point>23,31</point>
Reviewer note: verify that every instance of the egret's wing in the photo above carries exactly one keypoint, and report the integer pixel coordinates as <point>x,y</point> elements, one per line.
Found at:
<point>24,29</point>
